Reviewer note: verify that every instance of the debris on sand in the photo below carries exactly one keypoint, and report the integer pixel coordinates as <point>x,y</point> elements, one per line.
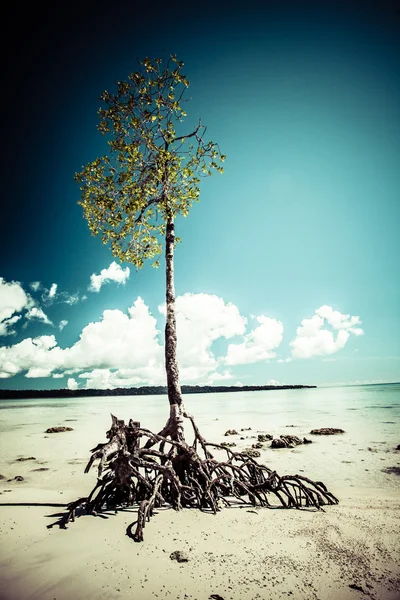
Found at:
<point>58,429</point>
<point>326,431</point>
<point>180,556</point>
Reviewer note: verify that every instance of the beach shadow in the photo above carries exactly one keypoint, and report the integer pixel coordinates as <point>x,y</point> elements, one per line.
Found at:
<point>129,530</point>
<point>62,521</point>
<point>55,504</point>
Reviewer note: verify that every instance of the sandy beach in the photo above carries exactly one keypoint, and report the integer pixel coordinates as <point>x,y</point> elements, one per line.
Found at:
<point>345,552</point>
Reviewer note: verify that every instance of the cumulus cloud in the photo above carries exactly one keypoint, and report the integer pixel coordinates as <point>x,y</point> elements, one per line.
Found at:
<point>117,341</point>
<point>314,339</point>
<point>104,379</point>
<point>339,321</point>
<point>34,372</point>
<point>32,355</point>
<point>200,320</point>
<point>6,326</point>
<point>258,345</point>
<point>35,286</point>
<point>13,300</point>
<point>37,314</point>
<point>124,349</point>
<point>113,273</point>
<point>62,324</point>
<point>72,384</point>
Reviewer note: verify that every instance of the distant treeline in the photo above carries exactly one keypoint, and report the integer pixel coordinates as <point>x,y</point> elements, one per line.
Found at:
<point>142,391</point>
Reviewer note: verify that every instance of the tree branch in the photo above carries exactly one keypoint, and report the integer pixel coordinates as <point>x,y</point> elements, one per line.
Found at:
<point>154,201</point>
<point>183,137</point>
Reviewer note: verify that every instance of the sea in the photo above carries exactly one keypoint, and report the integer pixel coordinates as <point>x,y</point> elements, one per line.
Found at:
<point>365,457</point>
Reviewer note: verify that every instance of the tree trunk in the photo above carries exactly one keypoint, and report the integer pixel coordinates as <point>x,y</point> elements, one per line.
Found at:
<point>174,425</point>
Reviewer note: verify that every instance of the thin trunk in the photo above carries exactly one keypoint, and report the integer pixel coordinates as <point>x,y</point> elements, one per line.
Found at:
<point>171,363</point>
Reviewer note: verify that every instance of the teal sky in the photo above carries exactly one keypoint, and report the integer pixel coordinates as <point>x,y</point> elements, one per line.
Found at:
<point>305,102</point>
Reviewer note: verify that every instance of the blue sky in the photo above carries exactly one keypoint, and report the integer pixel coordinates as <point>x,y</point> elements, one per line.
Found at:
<point>288,269</point>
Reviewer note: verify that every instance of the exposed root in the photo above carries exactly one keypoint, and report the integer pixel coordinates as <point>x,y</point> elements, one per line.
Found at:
<point>168,472</point>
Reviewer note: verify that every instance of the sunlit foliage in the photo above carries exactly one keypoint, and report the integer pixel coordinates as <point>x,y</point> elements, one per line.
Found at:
<point>152,171</point>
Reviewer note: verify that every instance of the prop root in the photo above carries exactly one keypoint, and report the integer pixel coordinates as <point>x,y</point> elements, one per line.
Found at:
<point>168,472</point>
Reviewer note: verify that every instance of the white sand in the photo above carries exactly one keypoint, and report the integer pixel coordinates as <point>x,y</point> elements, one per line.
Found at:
<point>240,553</point>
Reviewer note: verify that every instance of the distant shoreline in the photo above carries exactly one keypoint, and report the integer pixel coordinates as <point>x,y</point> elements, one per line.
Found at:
<point>141,391</point>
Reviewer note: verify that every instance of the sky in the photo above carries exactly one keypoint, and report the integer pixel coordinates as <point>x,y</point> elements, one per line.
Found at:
<point>288,271</point>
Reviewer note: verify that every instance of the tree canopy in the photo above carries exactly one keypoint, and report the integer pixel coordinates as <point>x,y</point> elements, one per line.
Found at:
<point>154,167</point>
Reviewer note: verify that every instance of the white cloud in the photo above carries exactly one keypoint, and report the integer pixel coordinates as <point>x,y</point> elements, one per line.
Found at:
<point>272,382</point>
<point>30,355</point>
<point>6,325</point>
<point>35,286</point>
<point>258,345</point>
<point>58,375</point>
<point>37,314</point>
<point>200,320</point>
<point>126,349</point>
<point>71,299</point>
<point>62,324</point>
<point>72,384</point>
<point>113,273</point>
<point>38,372</point>
<point>13,299</point>
<point>313,339</point>
<point>218,377</point>
<point>339,321</point>
<point>53,291</point>
<point>117,341</point>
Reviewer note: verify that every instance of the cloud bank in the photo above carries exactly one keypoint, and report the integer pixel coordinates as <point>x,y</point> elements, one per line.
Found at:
<point>126,348</point>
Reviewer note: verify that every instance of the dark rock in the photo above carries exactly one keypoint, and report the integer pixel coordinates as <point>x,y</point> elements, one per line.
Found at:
<point>251,453</point>
<point>326,431</point>
<point>278,443</point>
<point>228,444</point>
<point>58,429</point>
<point>215,597</point>
<point>2,477</point>
<point>307,441</point>
<point>398,447</point>
<point>257,445</point>
<point>231,432</point>
<point>41,469</point>
<point>286,441</point>
<point>355,586</point>
<point>18,478</point>
<point>246,429</point>
<point>180,556</point>
<point>264,437</point>
<point>392,470</point>
<point>24,459</point>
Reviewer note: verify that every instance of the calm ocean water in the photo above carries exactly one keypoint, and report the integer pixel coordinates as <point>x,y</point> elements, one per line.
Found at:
<point>369,414</point>
<point>353,408</point>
